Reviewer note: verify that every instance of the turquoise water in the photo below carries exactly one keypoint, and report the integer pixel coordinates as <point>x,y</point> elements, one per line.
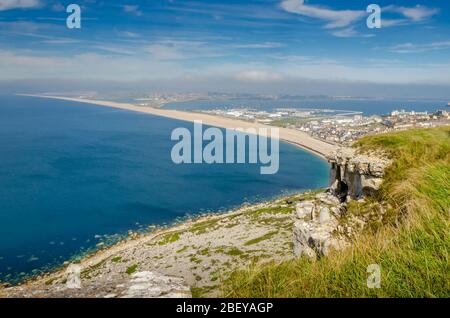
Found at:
<point>74,174</point>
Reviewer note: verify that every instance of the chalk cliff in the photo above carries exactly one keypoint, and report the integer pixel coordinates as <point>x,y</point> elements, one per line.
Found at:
<point>353,176</point>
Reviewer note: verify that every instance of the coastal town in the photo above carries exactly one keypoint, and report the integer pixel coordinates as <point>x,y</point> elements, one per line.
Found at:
<point>338,127</point>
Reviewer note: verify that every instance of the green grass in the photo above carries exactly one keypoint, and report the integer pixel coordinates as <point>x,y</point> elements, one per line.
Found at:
<point>169,238</point>
<point>273,210</point>
<point>181,250</point>
<point>132,269</point>
<point>411,243</point>
<point>260,239</point>
<point>116,259</point>
<point>234,251</point>
<point>203,227</point>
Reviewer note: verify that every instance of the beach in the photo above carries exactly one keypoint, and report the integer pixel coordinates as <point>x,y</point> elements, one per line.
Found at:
<point>292,136</point>
<point>202,251</point>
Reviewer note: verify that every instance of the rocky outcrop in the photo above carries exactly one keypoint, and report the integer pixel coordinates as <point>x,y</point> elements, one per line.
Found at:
<point>353,176</point>
<point>319,228</point>
<point>315,229</point>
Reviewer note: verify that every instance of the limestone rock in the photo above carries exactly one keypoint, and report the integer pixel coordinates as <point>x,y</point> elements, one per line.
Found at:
<point>370,184</point>
<point>324,215</point>
<point>154,285</point>
<point>304,209</point>
<point>316,236</point>
<point>355,175</point>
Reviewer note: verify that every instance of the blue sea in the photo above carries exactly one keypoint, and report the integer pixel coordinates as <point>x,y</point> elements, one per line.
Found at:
<point>73,175</point>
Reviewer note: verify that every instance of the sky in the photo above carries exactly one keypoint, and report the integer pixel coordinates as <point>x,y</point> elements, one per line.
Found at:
<point>226,45</point>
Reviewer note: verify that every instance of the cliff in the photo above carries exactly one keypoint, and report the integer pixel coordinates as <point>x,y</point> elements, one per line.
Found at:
<point>402,230</point>
<point>319,225</point>
<point>353,175</point>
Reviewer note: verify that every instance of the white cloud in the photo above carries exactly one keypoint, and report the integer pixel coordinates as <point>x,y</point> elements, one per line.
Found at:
<point>265,45</point>
<point>18,4</point>
<point>333,18</point>
<point>258,76</point>
<point>290,58</point>
<point>344,20</point>
<point>414,14</point>
<point>132,9</point>
<point>419,48</point>
<point>345,33</point>
<point>26,64</point>
<point>182,50</point>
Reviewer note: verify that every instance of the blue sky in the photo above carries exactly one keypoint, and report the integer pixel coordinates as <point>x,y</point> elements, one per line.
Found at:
<point>258,41</point>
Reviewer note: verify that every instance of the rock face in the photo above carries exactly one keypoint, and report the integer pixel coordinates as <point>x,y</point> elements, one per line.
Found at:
<point>314,230</point>
<point>354,176</point>
<point>317,229</point>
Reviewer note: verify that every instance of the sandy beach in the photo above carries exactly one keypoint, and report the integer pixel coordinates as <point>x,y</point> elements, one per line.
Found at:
<point>292,136</point>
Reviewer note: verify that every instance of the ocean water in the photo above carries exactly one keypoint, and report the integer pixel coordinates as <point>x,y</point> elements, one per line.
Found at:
<point>367,107</point>
<point>73,175</point>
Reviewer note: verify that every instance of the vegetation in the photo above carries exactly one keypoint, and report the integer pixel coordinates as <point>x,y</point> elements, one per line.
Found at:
<point>260,239</point>
<point>411,243</point>
<point>132,269</point>
<point>169,238</point>
<point>116,259</point>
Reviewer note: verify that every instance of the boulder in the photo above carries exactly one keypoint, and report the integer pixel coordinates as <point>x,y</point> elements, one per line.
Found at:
<point>304,209</point>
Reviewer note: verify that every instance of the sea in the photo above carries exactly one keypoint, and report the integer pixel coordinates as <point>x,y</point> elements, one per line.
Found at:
<point>76,177</point>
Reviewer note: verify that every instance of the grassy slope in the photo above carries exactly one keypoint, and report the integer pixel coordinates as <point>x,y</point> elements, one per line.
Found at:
<point>411,243</point>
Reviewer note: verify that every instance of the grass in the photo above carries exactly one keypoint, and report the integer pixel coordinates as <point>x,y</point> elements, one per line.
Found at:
<point>411,243</point>
<point>132,269</point>
<point>203,227</point>
<point>260,239</point>
<point>169,238</point>
<point>234,251</point>
<point>116,259</point>
<point>181,250</point>
<point>273,210</point>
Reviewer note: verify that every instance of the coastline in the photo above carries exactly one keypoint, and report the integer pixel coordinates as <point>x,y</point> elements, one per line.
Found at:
<point>202,250</point>
<point>292,136</point>
<point>138,241</point>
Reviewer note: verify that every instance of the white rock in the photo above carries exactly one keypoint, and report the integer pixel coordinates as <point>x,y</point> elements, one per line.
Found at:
<point>324,215</point>
<point>155,285</point>
<point>304,209</point>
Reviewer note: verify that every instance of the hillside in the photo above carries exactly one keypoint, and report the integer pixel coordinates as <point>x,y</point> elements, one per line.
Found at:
<point>410,242</point>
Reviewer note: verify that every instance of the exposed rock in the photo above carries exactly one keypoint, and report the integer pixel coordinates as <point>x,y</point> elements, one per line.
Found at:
<point>314,235</point>
<point>155,285</point>
<point>324,215</point>
<point>304,209</point>
<point>354,175</point>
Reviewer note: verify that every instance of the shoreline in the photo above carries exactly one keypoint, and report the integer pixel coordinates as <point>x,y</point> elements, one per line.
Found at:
<point>136,240</point>
<point>206,225</point>
<point>292,136</point>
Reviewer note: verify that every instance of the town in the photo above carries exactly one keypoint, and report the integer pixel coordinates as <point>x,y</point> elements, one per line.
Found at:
<point>338,127</point>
